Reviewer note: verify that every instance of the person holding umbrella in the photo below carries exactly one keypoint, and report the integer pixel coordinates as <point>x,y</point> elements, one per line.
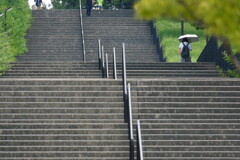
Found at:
<point>184,50</point>
<point>185,46</point>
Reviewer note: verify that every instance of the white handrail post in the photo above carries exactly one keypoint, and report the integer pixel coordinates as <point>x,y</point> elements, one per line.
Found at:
<point>107,74</point>
<point>99,53</point>
<point>140,151</point>
<point>114,64</point>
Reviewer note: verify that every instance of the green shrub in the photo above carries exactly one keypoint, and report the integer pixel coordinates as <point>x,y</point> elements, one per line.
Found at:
<point>12,35</point>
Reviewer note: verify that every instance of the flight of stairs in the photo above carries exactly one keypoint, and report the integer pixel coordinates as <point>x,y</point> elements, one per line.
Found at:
<point>188,118</point>
<point>53,106</point>
<point>161,70</point>
<point>114,28</point>
<point>54,48</point>
<point>62,119</point>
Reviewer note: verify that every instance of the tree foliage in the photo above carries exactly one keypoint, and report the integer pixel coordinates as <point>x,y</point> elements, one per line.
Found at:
<point>220,18</point>
<point>13,30</point>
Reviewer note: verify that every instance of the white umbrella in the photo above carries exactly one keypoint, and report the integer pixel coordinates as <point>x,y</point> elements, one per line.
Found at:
<point>191,38</point>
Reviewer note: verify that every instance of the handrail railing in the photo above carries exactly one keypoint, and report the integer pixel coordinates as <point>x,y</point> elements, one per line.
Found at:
<point>114,64</point>
<point>107,74</point>
<point>103,63</point>
<point>139,142</point>
<point>130,125</point>
<point>157,41</point>
<point>99,55</point>
<point>124,83</point>
<point>127,103</point>
<point>82,32</point>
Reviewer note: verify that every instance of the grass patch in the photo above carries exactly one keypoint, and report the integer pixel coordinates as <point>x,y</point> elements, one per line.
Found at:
<point>170,30</point>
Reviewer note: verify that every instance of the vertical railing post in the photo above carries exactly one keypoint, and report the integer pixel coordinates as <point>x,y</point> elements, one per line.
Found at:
<point>114,65</point>
<point>124,83</point>
<point>107,74</point>
<point>139,142</point>
<point>130,125</point>
<point>82,32</point>
<point>99,54</point>
<point>103,63</point>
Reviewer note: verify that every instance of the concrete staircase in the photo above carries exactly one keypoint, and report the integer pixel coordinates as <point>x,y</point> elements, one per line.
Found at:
<point>53,106</point>
<point>161,70</point>
<point>188,118</point>
<point>62,119</point>
<point>54,48</point>
<point>114,28</point>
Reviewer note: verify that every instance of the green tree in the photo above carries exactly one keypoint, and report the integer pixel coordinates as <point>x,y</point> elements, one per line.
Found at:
<point>13,30</point>
<point>220,18</point>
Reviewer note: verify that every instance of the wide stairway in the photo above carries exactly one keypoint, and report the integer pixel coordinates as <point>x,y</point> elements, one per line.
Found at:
<point>114,28</point>
<point>54,106</point>
<point>188,118</point>
<point>54,48</point>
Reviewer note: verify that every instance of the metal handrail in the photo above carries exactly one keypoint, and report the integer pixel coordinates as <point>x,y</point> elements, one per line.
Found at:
<point>114,65</point>
<point>130,125</point>
<point>82,32</point>
<point>130,111</point>
<point>107,74</point>
<point>124,83</point>
<point>99,54</point>
<point>139,142</point>
<point>103,63</point>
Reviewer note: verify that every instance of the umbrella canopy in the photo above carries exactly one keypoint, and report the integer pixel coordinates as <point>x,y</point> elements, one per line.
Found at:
<point>191,38</point>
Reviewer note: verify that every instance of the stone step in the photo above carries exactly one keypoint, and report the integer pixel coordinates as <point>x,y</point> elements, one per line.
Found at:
<point>61,105</point>
<point>193,143</point>
<point>188,116</point>
<point>64,116</point>
<point>86,110</point>
<point>94,83</point>
<point>190,93</point>
<point>64,137</point>
<point>190,131</point>
<point>190,88</point>
<point>69,71</point>
<point>62,93</point>
<point>73,143</point>
<point>66,131</point>
<point>39,127</point>
<point>52,75</point>
<point>59,88</point>
<point>193,154</point>
<point>62,154</point>
<point>56,121</point>
<point>186,99</point>
<point>188,110</point>
<point>65,148</point>
<point>62,99</point>
<point>186,104</point>
<point>189,121</point>
<point>56,13</point>
<point>190,137</point>
<point>196,127</point>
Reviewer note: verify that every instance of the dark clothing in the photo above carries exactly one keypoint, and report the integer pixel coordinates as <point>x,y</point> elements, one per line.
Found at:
<point>89,7</point>
<point>38,2</point>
